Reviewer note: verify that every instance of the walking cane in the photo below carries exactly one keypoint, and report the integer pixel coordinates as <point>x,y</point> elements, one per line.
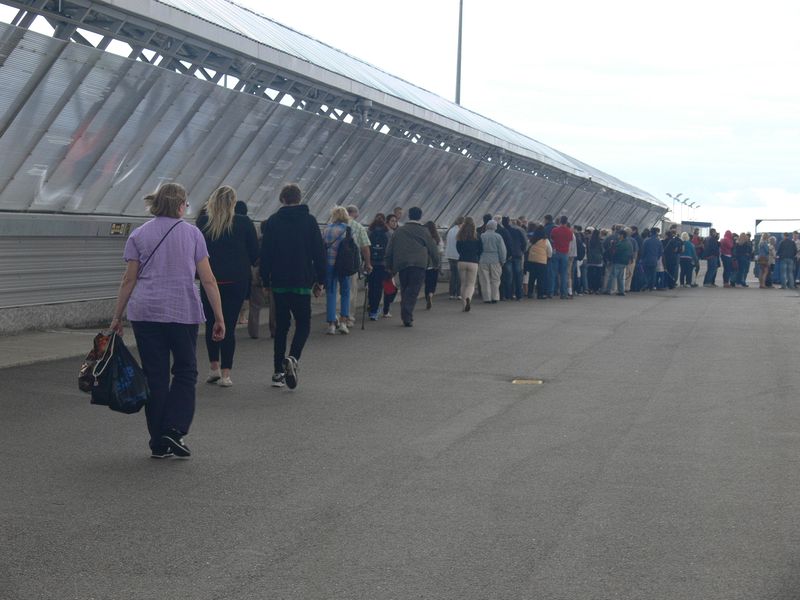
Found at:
<point>366,298</point>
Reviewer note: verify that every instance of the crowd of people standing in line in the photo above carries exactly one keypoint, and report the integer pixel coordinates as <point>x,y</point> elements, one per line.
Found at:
<point>509,259</point>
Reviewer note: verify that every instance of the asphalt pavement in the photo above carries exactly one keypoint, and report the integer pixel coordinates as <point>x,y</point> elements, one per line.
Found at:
<point>657,459</point>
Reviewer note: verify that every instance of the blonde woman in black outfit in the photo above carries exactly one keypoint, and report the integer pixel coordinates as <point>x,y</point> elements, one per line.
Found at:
<point>233,249</point>
<point>469,249</point>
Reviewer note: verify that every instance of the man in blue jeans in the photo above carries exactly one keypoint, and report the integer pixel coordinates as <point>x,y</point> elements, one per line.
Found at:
<point>561,237</point>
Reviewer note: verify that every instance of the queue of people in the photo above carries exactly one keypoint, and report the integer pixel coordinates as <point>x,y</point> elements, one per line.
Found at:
<point>507,259</point>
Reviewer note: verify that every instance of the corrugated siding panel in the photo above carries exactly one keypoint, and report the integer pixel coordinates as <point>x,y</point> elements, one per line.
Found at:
<point>49,270</point>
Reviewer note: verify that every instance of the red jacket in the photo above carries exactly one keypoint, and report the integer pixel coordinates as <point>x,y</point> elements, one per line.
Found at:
<point>561,236</point>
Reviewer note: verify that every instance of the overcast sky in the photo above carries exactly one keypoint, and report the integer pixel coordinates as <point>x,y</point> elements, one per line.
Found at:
<point>697,97</point>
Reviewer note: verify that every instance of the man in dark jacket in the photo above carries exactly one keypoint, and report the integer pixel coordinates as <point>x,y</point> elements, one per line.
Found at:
<point>516,246</point>
<point>786,252</point>
<point>411,249</point>
<point>711,256</point>
<point>293,264</point>
<point>672,254</point>
<point>652,250</point>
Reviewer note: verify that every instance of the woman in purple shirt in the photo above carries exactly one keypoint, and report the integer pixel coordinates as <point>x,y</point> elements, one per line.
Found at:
<point>164,308</point>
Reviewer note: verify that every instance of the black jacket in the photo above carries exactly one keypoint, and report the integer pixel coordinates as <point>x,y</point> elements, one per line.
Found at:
<point>232,254</point>
<point>292,251</point>
<point>787,249</point>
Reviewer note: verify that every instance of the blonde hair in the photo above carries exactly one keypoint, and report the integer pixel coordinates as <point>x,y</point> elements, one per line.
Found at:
<point>220,211</point>
<point>166,201</point>
<point>685,236</point>
<point>339,215</point>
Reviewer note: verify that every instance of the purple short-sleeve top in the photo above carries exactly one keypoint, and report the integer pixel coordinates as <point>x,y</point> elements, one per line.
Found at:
<point>165,291</point>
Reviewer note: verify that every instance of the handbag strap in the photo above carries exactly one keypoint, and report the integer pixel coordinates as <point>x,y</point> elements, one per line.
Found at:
<point>141,267</point>
<point>106,357</point>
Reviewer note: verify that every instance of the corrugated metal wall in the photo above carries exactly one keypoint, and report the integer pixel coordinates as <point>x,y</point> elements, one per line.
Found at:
<point>84,132</point>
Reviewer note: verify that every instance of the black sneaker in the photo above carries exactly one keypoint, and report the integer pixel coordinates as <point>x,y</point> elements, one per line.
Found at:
<point>174,441</point>
<point>162,452</point>
<point>278,380</point>
<point>290,375</point>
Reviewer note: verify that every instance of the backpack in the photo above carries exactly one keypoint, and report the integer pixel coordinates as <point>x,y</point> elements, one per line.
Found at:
<point>347,259</point>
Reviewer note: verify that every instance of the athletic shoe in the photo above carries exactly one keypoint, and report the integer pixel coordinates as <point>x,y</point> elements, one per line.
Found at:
<point>467,305</point>
<point>290,368</point>
<point>428,302</point>
<point>161,452</point>
<point>331,330</point>
<point>278,380</point>
<point>342,328</point>
<point>387,315</point>
<point>213,376</point>
<point>224,382</point>
<point>373,316</point>
<point>408,324</point>
<point>350,321</point>
<point>174,441</point>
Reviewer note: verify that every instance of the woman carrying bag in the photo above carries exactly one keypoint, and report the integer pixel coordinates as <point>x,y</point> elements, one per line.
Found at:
<point>164,309</point>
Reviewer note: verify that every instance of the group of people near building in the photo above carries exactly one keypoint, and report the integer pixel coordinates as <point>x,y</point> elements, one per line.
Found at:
<point>509,259</point>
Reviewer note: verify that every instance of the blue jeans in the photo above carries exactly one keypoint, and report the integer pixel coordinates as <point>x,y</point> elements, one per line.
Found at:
<point>617,274</point>
<point>331,279</point>
<point>787,272</point>
<point>712,265</point>
<point>744,269</point>
<point>728,274</point>
<point>560,262</point>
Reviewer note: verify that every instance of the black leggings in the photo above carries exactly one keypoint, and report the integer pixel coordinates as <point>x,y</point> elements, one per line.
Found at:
<point>687,266</point>
<point>287,305</point>
<point>232,295</point>
<point>431,279</point>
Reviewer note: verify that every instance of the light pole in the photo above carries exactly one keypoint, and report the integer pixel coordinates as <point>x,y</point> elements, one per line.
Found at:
<point>674,198</point>
<point>458,60</point>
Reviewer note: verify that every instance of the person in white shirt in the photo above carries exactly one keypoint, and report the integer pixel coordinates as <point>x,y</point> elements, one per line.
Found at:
<point>451,254</point>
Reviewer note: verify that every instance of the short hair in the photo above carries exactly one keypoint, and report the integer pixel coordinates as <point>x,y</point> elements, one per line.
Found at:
<point>166,201</point>
<point>291,194</point>
<point>548,218</point>
<point>415,213</point>
<point>491,225</point>
<point>486,218</point>
<point>352,209</point>
<point>564,220</point>
<point>622,234</point>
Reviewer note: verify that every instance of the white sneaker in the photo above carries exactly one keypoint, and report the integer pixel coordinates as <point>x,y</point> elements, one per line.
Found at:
<point>331,330</point>
<point>350,321</point>
<point>224,382</point>
<point>387,315</point>
<point>213,376</point>
<point>342,328</point>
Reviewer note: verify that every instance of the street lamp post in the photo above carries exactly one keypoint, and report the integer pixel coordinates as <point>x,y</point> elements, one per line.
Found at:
<point>674,198</point>
<point>458,61</point>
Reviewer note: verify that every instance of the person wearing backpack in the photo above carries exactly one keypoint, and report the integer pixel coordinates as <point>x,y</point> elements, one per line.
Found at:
<point>379,239</point>
<point>342,255</point>
<point>409,252</point>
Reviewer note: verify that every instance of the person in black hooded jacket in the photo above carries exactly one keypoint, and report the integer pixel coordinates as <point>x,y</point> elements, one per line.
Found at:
<point>293,265</point>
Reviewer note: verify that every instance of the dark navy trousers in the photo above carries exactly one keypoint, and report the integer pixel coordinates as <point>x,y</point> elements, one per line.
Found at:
<point>171,403</point>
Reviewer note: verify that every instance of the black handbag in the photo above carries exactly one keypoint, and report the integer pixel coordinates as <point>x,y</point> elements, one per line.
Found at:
<point>119,381</point>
